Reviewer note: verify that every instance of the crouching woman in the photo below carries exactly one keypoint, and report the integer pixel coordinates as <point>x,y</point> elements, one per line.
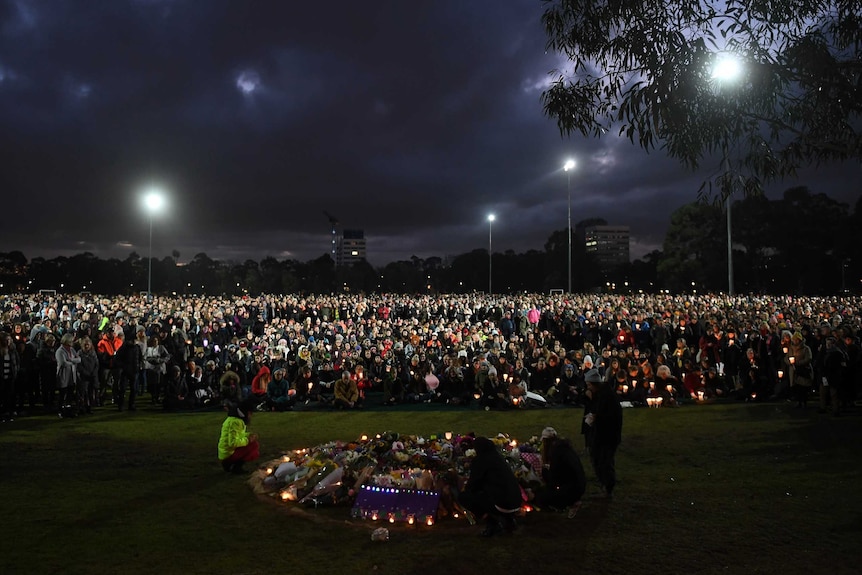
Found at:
<point>236,445</point>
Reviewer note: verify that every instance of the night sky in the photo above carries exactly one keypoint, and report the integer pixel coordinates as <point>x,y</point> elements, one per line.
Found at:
<point>410,120</point>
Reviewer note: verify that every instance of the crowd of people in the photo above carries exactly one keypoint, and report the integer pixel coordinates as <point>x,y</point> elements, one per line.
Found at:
<point>68,354</point>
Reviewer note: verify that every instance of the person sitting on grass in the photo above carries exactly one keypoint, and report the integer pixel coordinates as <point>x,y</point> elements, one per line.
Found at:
<point>177,395</point>
<point>236,445</point>
<point>346,392</point>
<point>278,397</point>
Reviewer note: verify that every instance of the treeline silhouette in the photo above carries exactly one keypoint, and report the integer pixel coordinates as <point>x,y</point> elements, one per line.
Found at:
<point>802,243</point>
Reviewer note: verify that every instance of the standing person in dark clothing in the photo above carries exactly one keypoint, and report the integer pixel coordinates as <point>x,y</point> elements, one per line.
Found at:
<point>833,364</point>
<point>47,362</point>
<point>9,366</point>
<point>606,424</point>
<point>492,490</point>
<point>565,481</point>
<point>130,360</point>
<point>799,361</point>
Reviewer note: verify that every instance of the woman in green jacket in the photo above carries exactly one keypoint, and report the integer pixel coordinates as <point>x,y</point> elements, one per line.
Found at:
<point>236,445</point>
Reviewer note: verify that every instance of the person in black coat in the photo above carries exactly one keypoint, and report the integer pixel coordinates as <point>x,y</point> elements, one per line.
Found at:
<point>563,474</point>
<point>492,490</point>
<point>606,424</point>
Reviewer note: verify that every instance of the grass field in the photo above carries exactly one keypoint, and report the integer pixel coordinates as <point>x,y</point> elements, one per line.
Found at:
<point>702,489</point>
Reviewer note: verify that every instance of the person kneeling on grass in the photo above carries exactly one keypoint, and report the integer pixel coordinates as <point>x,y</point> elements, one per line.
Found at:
<point>563,473</point>
<point>236,445</point>
<point>492,490</point>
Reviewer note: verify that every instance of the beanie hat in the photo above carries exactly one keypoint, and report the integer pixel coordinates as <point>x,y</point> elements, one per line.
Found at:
<point>593,376</point>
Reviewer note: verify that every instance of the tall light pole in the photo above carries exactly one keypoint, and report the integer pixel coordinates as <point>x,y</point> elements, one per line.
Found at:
<point>727,68</point>
<point>153,202</point>
<point>568,167</point>
<point>729,245</point>
<point>491,219</point>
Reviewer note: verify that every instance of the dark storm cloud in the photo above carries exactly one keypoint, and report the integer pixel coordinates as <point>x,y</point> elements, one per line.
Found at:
<point>409,120</point>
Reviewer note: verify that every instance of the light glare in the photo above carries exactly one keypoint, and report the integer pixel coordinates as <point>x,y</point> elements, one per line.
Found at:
<point>154,201</point>
<point>727,68</point>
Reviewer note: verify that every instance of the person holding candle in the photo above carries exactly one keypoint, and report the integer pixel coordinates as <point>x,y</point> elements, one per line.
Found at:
<point>799,363</point>
<point>666,385</point>
<point>236,445</point>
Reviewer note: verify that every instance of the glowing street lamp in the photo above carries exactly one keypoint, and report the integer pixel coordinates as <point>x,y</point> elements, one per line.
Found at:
<point>727,69</point>
<point>491,219</point>
<point>568,167</point>
<point>153,202</point>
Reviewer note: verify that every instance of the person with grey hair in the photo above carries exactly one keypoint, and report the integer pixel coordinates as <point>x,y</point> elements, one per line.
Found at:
<point>67,374</point>
<point>346,392</point>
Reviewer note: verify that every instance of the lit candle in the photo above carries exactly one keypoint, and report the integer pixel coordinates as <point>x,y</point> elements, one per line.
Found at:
<point>477,395</point>
<point>670,387</point>
<point>429,520</point>
<point>374,516</point>
<point>558,381</point>
<point>363,438</point>
<point>505,377</point>
<point>658,401</point>
<point>391,518</point>
<point>784,349</point>
<point>411,519</point>
<point>448,436</point>
<point>652,385</point>
<point>700,395</point>
<point>792,360</point>
<point>780,373</point>
<point>625,389</point>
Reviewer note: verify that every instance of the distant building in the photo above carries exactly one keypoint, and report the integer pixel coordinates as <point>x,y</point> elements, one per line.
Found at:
<point>351,247</point>
<point>609,245</point>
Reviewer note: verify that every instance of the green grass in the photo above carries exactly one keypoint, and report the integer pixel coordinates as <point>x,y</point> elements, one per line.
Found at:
<point>703,489</point>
